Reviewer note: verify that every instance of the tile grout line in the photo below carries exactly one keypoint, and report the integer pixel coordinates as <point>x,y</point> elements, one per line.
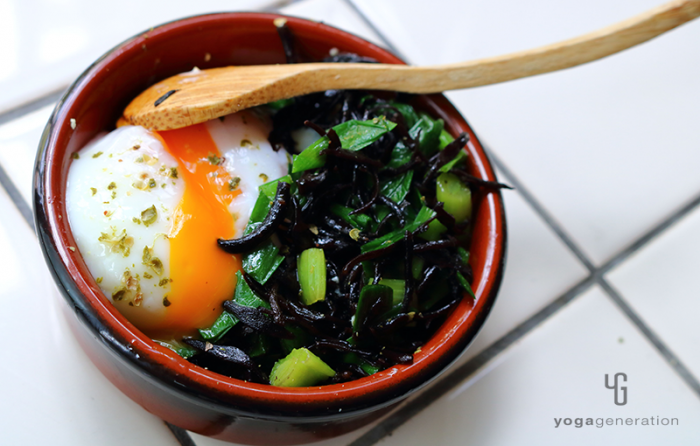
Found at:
<point>22,206</point>
<point>31,106</point>
<point>181,435</point>
<point>376,30</point>
<point>539,209</point>
<point>455,378</point>
<point>651,336</point>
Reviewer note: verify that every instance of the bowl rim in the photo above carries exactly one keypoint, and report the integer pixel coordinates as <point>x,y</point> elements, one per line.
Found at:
<point>166,368</point>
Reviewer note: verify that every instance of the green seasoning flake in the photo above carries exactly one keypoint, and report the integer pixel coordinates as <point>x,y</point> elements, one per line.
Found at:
<point>173,172</point>
<point>149,216</point>
<point>117,243</point>
<point>153,262</point>
<point>213,159</point>
<point>152,183</point>
<point>233,183</point>
<point>75,155</point>
<point>300,368</point>
<point>97,155</point>
<point>94,191</point>
<point>112,185</point>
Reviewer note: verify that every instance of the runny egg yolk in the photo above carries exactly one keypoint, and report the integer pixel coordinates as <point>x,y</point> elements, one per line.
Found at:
<point>203,274</point>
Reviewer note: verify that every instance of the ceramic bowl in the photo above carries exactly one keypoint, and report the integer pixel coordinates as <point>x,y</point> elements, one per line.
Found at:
<point>155,377</point>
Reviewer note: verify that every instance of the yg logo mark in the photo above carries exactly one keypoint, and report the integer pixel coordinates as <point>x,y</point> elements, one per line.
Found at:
<point>618,389</point>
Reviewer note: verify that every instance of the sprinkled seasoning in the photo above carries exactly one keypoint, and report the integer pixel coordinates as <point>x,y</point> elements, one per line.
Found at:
<point>112,185</point>
<point>152,262</point>
<point>75,156</point>
<point>246,143</point>
<point>94,191</point>
<point>173,172</point>
<point>117,243</point>
<point>163,282</point>
<point>166,302</point>
<point>136,220</point>
<point>98,280</point>
<point>263,177</point>
<point>214,160</point>
<point>149,216</point>
<point>233,183</point>
<point>152,183</point>
<point>147,275</point>
<point>97,155</point>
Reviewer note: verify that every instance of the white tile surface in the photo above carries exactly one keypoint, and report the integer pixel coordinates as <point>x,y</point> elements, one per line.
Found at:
<point>335,13</point>
<point>590,142</point>
<point>51,392</point>
<point>19,140</point>
<point>660,283</point>
<point>48,43</point>
<point>539,268</point>
<point>558,372</point>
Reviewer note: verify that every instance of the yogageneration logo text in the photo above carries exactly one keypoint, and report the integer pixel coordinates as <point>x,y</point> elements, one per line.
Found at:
<point>620,391</point>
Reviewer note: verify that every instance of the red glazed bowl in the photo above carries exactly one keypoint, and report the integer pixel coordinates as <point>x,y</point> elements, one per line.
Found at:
<point>157,378</point>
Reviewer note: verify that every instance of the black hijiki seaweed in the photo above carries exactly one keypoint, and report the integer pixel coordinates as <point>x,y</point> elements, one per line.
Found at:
<point>300,218</point>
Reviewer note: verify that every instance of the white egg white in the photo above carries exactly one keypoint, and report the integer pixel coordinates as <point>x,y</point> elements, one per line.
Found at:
<point>113,186</point>
<point>248,156</point>
<point>117,179</point>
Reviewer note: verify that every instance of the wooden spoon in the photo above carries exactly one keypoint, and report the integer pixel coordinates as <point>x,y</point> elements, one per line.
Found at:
<point>195,97</point>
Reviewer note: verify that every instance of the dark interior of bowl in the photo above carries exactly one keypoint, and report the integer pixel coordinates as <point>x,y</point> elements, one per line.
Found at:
<point>95,102</point>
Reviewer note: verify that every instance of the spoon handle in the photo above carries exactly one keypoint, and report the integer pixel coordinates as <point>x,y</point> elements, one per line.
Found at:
<point>565,54</point>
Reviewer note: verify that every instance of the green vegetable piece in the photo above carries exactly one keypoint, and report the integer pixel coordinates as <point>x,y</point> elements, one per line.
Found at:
<point>242,295</point>
<point>359,221</point>
<point>374,300</point>
<point>311,270</point>
<point>354,135</point>
<point>434,231</point>
<point>400,155</point>
<point>300,368</point>
<point>463,281</point>
<point>463,255</point>
<point>262,262</point>
<point>280,104</point>
<point>392,237</point>
<point>461,156</point>
<point>300,339</point>
<point>445,139</point>
<point>417,267</point>
<point>408,112</point>
<point>183,350</point>
<point>428,132</point>
<point>397,188</point>
<point>398,289</point>
<point>269,189</point>
<point>260,345</point>
<point>220,327</point>
<point>455,195</point>
<point>353,358</point>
